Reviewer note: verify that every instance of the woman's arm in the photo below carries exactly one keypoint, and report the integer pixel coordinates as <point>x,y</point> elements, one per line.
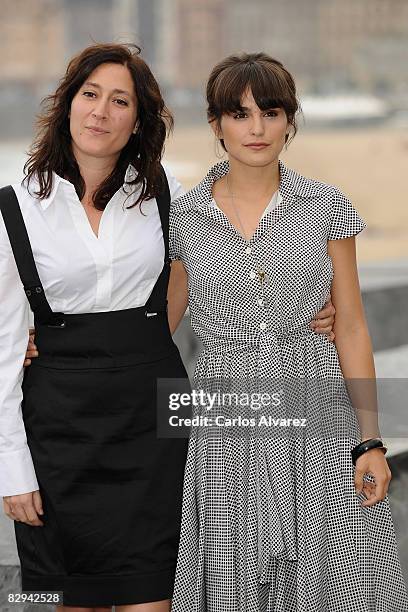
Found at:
<point>177,294</point>
<point>18,482</point>
<point>355,353</point>
<point>17,473</point>
<point>352,338</point>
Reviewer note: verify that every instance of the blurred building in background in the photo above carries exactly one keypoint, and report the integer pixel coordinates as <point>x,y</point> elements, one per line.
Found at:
<point>331,46</point>
<point>365,43</point>
<point>32,54</point>
<point>85,21</point>
<point>199,41</point>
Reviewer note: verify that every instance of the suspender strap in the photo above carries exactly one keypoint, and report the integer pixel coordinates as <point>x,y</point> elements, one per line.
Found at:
<point>163,203</point>
<point>157,301</point>
<point>23,255</point>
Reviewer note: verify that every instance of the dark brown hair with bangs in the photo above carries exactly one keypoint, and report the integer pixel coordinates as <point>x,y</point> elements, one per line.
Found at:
<point>271,84</point>
<point>51,150</point>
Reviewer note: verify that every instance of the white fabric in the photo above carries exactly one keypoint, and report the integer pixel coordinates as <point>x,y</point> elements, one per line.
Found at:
<point>80,273</point>
<point>274,202</point>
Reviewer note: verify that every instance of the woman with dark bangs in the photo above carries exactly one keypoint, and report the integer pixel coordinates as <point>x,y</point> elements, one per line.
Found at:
<point>95,495</point>
<point>278,520</point>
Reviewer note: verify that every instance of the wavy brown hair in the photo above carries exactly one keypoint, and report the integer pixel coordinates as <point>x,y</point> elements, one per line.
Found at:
<point>271,84</point>
<point>51,150</point>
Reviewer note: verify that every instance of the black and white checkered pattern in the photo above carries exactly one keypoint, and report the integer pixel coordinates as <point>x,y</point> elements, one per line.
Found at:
<point>273,524</point>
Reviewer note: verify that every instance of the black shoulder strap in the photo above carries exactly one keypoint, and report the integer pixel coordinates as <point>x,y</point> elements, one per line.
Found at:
<point>157,301</point>
<point>23,255</point>
<point>163,202</point>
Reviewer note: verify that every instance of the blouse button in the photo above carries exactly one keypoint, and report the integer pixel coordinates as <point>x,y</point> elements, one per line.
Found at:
<point>252,274</point>
<point>260,302</point>
<point>262,325</point>
<point>248,250</point>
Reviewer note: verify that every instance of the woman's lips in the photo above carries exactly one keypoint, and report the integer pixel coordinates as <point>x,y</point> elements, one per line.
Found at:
<point>257,146</point>
<point>97,132</point>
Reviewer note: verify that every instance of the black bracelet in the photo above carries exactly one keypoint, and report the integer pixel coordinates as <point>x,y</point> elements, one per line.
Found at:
<point>363,447</point>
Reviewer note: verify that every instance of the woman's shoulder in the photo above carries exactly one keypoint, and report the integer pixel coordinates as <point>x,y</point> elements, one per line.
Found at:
<point>343,219</point>
<point>201,194</point>
<point>188,201</point>
<point>17,199</point>
<point>20,194</point>
<point>305,187</point>
<point>23,191</point>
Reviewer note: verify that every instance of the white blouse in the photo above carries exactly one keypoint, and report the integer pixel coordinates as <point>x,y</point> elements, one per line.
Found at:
<point>80,273</point>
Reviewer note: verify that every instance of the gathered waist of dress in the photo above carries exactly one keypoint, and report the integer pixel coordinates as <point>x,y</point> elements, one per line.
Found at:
<point>104,339</point>
<point>253,339</point>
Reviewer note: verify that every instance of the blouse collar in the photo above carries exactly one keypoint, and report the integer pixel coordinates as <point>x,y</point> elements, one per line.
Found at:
<point>59,182</point>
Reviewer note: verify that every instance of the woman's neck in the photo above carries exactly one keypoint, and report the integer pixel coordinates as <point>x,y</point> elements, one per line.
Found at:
<point>249,181</point>
<point>94,170</point>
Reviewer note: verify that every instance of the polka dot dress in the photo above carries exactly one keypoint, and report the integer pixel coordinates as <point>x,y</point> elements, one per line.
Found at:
<point>271,521</point>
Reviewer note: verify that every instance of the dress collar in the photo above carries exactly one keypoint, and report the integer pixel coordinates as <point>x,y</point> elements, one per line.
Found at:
<point>274,201</point>
<point>291,186</point>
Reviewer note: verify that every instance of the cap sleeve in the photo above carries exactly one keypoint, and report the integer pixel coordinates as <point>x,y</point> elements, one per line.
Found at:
<point>345,221</point>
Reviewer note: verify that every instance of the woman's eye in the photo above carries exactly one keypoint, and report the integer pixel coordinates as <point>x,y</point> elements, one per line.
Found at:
<point>92,94</point>
<point>272,113</point>
<point>239,115</point>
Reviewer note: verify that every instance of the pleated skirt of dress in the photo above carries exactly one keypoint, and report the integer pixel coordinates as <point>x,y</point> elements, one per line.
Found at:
<point>273,524</point>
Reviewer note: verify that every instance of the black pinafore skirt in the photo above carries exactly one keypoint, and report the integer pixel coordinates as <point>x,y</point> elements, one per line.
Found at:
<point>111,489</point>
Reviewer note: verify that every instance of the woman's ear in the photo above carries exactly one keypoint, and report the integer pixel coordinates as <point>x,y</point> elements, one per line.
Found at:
<point>136,126</point>
<point>216,128</point>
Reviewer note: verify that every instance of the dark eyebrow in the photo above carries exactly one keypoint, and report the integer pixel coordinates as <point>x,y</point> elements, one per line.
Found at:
<point>118,91</point>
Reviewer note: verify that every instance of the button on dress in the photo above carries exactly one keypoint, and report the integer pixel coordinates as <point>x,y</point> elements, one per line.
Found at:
<point>271,522</point>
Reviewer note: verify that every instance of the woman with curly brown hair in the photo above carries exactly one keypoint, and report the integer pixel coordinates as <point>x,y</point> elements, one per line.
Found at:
<point>95,495</point>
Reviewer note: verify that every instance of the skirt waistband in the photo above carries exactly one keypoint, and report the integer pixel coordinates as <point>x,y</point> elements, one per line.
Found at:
<point>105,339</point>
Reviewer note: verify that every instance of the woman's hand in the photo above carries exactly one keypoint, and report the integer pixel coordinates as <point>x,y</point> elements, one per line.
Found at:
<point>24,508</point>
<point>374,463</point>
<point>31,348</point>
<point>324,320</point>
